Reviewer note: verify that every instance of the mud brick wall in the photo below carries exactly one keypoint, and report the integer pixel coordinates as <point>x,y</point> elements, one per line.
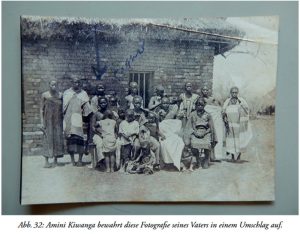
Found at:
<point>172,62</point>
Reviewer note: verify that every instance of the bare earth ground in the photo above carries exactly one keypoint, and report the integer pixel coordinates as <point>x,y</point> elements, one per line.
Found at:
<point>251,180</point>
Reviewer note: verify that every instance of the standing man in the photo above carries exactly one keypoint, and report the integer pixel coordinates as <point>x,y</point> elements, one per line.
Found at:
<point>214,108</point>
<point>238,130</point>
<point>76,106</point>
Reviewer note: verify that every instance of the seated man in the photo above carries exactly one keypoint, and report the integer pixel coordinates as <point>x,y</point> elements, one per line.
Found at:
<point>165,110</point>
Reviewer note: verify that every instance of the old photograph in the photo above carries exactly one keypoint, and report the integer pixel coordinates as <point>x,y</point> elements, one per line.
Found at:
<point>148,109</point>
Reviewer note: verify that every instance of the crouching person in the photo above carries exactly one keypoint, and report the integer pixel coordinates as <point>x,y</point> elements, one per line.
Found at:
<point>203,137</point>
<point>128,133</point>
<point>149,132</point>
<point>144,163</point>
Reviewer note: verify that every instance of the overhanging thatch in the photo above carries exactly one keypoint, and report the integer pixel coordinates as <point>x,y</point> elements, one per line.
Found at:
<point>214,32</point>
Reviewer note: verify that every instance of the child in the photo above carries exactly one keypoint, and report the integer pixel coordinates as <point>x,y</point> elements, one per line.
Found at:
<point>149,132</point>
<point>107,130</point>
<point>128,133</point>
<point>145,162</point>
<point>133,91</point>
<point>121,117</point>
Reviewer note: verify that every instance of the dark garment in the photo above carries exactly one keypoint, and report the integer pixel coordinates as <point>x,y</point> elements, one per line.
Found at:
<point>75,144</point>
<point>53,141</point>
<point>126,152</point>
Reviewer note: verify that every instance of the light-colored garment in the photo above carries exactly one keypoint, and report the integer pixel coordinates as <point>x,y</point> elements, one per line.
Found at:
<point>166,114</point>
<point>240,132</point>
<point>172,146</point>
<point>216,114</point>
<point>107,130</point>
<point>75,105</point>
<point>128,129</point>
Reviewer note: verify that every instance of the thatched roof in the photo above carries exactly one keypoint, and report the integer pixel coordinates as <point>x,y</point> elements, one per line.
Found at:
<point>210,31</point>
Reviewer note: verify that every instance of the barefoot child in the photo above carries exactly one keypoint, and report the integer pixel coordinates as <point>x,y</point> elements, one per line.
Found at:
<point>107,130</point>
<point>128,133</point>
<point>149,132</point>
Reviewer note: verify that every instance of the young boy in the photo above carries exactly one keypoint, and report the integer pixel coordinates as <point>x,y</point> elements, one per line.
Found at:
<point>128,133</point>
<point>107,130</point>
<point>149,132</point>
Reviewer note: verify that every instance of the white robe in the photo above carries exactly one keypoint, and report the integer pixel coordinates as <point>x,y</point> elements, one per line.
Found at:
<point>172,146</point>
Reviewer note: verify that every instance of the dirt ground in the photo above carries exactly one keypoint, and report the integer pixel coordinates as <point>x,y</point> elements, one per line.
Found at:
<point>250,180</point>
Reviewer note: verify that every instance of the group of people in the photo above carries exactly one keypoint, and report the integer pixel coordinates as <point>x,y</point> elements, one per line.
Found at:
<point>186,132</point>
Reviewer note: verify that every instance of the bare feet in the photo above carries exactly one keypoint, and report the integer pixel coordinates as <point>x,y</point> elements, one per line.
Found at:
<point>48,165</point>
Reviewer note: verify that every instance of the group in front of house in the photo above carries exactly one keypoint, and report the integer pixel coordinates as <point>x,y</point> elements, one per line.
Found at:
<point>186,132</point>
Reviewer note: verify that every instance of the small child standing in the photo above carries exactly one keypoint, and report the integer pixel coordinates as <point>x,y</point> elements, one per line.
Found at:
<point>128,133</point>
<point>149,132</point>
<point>107,130</point>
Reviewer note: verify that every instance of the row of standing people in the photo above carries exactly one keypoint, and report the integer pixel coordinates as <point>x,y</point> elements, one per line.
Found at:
<point>139,136</point>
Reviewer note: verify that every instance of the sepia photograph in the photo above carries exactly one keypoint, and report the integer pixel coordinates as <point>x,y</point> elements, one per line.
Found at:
<point>148,109</point>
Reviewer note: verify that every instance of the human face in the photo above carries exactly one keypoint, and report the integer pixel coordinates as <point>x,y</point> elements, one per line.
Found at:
<point>137,103</point>
<point>165,103</point>
<point>134,90</point>
<point>234,93</point>
<point>121,114</point>
<point>205,91</point>
<point>130,117</point>
<point>53,86</point>
<point>100,89</point>
<point>200,106</point>
<point>113,101</point>
<point>160,93</point>
<point>102,103</point>
<point>188,87</point>
<point>76,84</point>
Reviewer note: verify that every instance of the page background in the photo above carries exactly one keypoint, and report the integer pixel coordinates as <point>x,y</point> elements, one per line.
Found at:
<point>286,102</point>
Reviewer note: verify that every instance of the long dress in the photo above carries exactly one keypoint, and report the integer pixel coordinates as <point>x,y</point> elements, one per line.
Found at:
<point>240,132</point>
<point>53,142</point>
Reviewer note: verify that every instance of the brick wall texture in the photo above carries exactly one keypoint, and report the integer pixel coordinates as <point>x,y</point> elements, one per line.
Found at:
<point>172,63</point>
